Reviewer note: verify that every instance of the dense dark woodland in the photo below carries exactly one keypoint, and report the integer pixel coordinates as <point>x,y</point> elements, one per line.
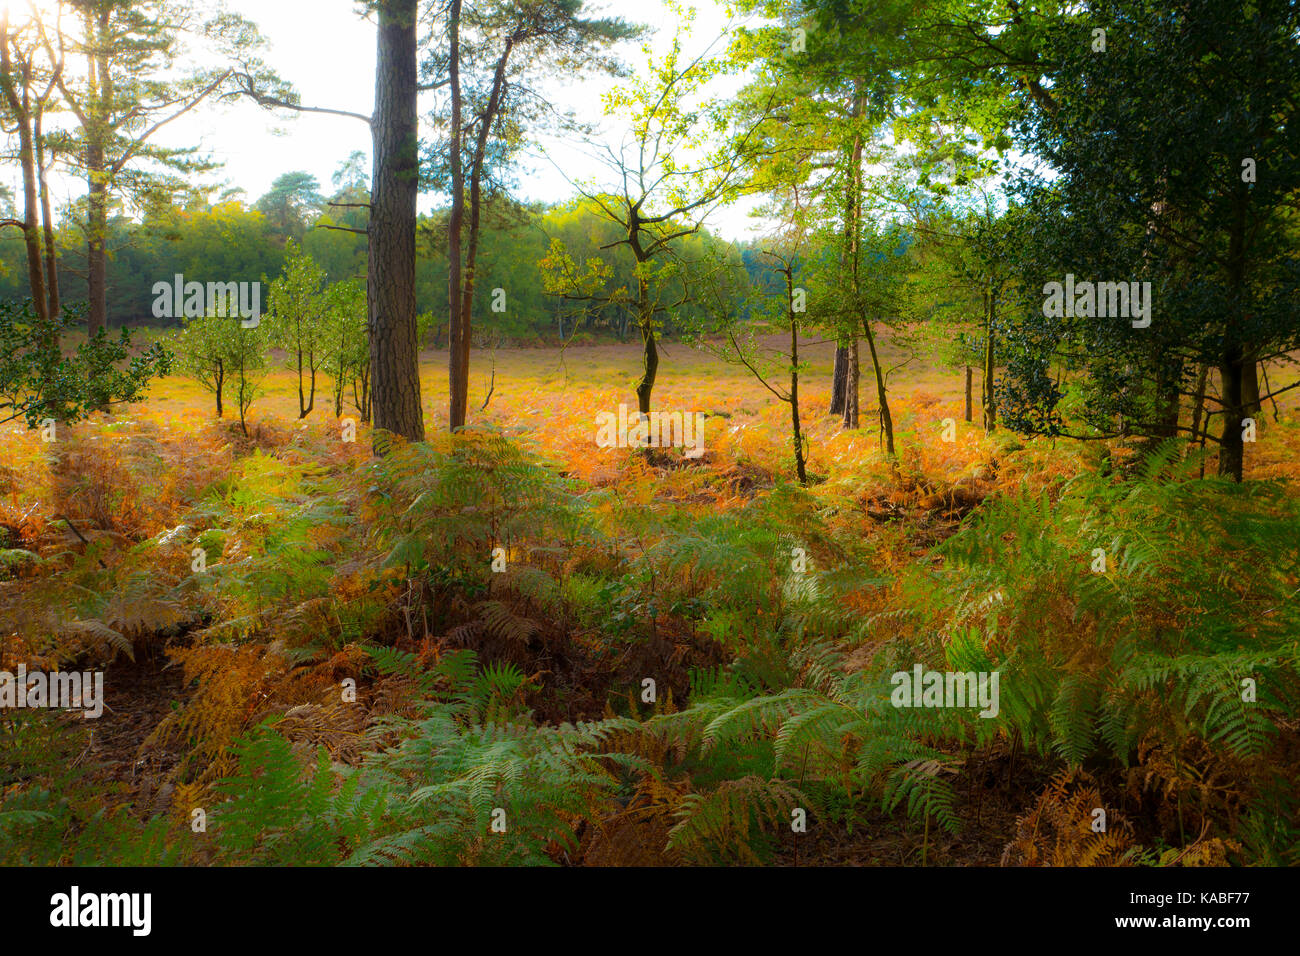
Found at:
<point>967,533</point>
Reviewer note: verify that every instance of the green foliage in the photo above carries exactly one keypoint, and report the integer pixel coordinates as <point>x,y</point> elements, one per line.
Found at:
<point>65,821</point>
<point>452,506</point>
<point>832,735</point>
<point>733,823</point>
<point>224,356</point>
<point>1088,671</point>
<point>278,813</point>
<point>291,204</point>
<point>246,360</point>
<point>1143,177</point>
<point>37,381</point>
<point>345,343</point>
<point>299,321</point>
<point>1177,635</point>
<point>432,799</point>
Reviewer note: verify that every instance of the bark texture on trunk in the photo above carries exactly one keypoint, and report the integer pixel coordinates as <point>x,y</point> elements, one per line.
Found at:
<point>96,246</point>
<point>839,380</point>
<point>221,385</point>
<point>1250,394</point>
<point>645,315</point>
<point>850,419</point>
<point>457,375</point>
<point>394,351</point>
<point>650,367</point>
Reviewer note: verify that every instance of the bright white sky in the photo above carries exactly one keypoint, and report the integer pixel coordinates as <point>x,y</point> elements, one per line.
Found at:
<point>328,52</point>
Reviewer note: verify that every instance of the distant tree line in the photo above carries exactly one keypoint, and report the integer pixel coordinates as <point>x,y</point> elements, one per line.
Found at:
<point>229,240</point>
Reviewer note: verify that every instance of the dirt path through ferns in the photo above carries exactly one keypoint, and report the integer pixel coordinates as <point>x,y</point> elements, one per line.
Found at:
<point>137,696</point>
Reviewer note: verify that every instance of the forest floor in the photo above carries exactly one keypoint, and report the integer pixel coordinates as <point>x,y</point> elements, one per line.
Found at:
<point>135,478</point>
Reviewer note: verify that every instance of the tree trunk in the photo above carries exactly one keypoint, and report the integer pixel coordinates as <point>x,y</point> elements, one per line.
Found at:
<point>1232,450</point>
<point>886,418</point>
<point>645,317</point>
<point>846,363</point>
<point>26,119</point>
<point>1168,407</point>
<point>1198,402</point>
<point>394,351</point>
<point>311,398</point>
<point>650,359</point>
<point>457,383</point>
<point>853,223</point>
<point>969,376</point>
<point>361,394</point>
<point>839,380</point>
<point>302,404</point>
<point>97,181</point>
<point>796,433</point>
<point>1232,367</point>
<point>850,419</point>
<point>31,220</point>
<point>47,224</point>
<point>461,358</point>
<point>1250,388</point>
<point>96,231</point>
<point>366,405</point>
<point>990,399</point>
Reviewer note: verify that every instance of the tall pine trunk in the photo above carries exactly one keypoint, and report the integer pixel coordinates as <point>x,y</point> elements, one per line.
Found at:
<point>390,279</point>
<point>457,335</point>
<point>852,228</point>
